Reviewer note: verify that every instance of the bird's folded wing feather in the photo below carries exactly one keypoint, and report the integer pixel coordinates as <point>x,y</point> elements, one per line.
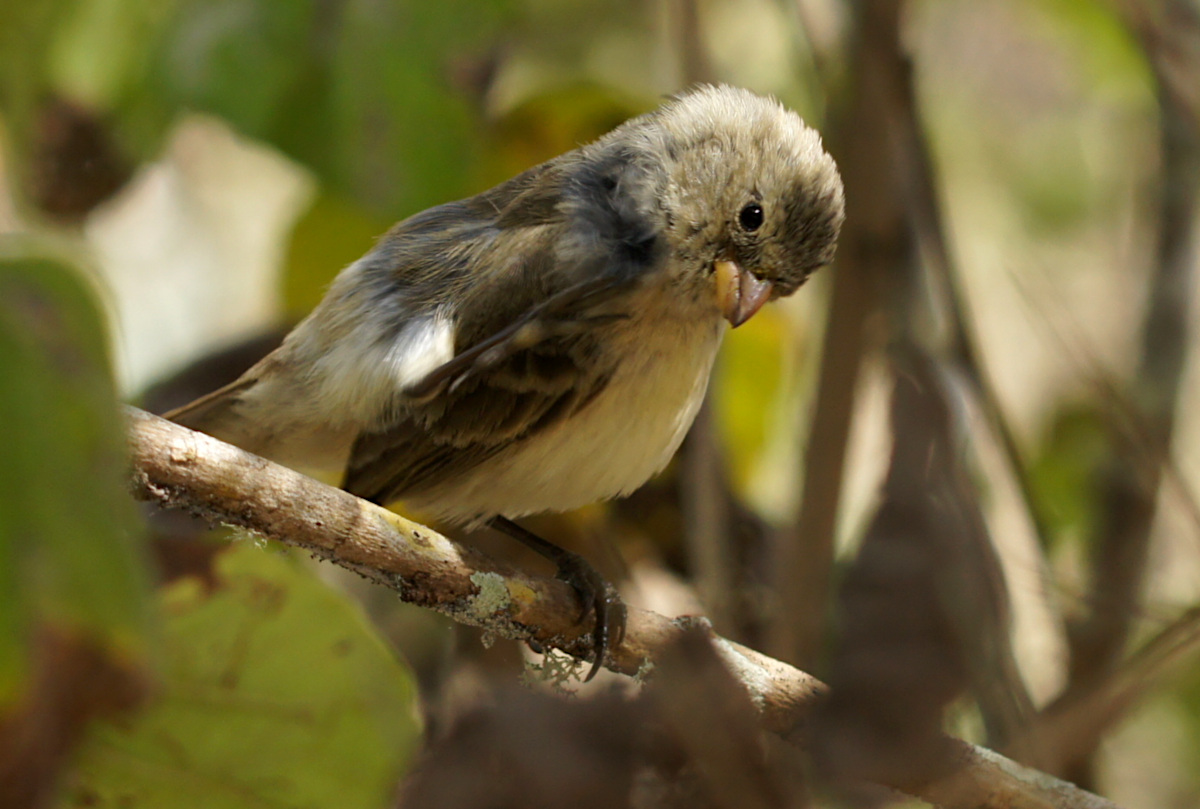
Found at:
<point>527,354</point>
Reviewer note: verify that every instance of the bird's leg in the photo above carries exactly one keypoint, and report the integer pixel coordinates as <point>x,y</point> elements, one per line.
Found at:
<point>599,598</point>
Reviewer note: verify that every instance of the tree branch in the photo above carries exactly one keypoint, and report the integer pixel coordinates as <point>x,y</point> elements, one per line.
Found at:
<point>1169,32</point>
<point>179,468</point>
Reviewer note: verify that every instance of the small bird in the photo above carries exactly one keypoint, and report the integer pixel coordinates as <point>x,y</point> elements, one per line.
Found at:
<point>546,344</point>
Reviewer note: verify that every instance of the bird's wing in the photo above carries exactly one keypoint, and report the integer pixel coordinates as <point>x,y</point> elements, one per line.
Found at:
<point>571,312</point>
<point>459,428</point>
<point>526,354</point>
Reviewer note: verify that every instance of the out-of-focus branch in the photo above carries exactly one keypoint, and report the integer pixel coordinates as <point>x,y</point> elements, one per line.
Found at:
<point>951,572</point>
<point>963,346</point>
<point>182,469</point>
<point>803,556</point>
<point>704,503</point>
<point>983,632</point>
<point>704,493</point>
<point>1068,728</point>
<point>919,618</point>
<point>695,64</point>
<point>873,241</point>
<point>822,23</point>
<point>1170,32</point>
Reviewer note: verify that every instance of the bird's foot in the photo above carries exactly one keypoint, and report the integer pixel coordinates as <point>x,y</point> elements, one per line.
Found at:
<point>597,597</point>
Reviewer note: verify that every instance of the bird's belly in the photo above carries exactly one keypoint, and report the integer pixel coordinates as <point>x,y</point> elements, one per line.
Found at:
<point>609,448</point>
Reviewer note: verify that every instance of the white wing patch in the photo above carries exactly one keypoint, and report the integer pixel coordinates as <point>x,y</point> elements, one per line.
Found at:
<point>422,346</point>
<point>362,372</point>
<point>339,372</point>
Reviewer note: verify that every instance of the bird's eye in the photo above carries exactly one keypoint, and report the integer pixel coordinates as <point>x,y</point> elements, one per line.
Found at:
<point>751,217</point>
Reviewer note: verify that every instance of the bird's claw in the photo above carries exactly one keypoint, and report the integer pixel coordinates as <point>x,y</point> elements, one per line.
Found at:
<point>599,599</point>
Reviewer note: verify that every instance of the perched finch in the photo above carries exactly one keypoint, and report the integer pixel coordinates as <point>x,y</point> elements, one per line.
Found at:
<point>547,343</point>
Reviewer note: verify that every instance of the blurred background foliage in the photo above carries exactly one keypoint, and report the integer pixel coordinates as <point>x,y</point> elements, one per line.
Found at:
<point>179,181</point>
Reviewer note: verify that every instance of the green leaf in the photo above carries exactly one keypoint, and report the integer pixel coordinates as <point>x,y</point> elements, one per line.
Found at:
<point>70,550</point>
<point>1064,472</point>
<point>1102,45</point>
<point>238,58</point>
<point>277,693</point>
<point>362,92</point>
<point>64,49</point>
<point>82,63</point>
<point>26,31</point>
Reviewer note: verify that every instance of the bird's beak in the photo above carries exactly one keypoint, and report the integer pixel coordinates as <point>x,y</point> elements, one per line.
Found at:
<point>739,293</point>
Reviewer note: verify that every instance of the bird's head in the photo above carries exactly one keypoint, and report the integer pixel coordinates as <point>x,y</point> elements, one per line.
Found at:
<point>752,204</point>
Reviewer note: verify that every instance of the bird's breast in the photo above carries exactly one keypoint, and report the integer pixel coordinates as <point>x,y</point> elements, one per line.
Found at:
<point>660,363</point>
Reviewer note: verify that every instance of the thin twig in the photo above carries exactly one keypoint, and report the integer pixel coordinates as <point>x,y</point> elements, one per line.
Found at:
<point>1069,727</point>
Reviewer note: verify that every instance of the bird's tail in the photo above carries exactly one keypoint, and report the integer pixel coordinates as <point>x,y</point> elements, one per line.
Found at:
<point>215,413</point>
<point>251,413</point>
